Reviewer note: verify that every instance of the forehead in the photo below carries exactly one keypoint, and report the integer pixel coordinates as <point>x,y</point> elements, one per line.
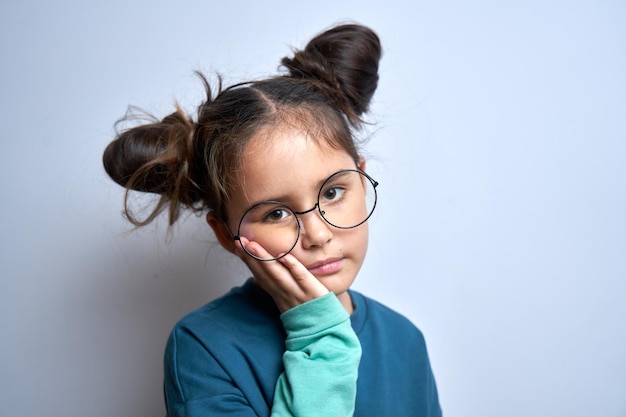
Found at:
<point>286,165</point>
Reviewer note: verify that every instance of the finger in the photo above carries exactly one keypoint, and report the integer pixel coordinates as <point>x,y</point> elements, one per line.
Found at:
<point>270,274</point>
<point>303,277</point>
<point>255,249</point>
<point>286,280</point>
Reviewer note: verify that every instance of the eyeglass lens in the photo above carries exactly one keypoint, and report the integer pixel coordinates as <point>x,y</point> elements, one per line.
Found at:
<point>345,200</point>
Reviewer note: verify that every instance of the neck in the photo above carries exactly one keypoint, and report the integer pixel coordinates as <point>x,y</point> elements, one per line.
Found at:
<point>345,300</point>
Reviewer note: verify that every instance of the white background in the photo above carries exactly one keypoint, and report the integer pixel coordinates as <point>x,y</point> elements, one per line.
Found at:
<point>500,146</point>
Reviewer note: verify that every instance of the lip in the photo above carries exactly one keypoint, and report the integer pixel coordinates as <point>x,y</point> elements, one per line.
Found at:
<point>326,266</point>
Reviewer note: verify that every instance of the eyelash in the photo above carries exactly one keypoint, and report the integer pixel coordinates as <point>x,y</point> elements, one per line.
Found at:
<point>339,192</point>
<point>268,217</point>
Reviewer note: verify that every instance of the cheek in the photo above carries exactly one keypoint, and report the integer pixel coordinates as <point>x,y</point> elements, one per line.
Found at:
<point>355,241</point>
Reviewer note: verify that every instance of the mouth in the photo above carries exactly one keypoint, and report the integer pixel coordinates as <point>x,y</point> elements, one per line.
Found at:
<point>326,266</point>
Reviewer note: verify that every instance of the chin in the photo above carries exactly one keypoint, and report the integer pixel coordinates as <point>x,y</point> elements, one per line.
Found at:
<point>337,283</point>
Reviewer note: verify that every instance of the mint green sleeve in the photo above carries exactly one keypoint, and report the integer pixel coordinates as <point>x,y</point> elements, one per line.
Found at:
<point>321,361</point>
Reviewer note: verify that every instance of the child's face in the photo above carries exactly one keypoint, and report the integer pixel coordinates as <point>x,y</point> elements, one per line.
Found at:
<point>290,168</point>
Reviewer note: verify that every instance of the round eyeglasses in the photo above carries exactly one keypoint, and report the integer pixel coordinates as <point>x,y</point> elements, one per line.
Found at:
<point>345,201</point>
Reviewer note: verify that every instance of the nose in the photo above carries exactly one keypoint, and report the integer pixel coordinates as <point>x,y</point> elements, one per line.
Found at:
<point>314,231</point>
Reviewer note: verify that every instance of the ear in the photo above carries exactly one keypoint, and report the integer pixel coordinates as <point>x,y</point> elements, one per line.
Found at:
<point>223,234</point>
<point>361,164</point>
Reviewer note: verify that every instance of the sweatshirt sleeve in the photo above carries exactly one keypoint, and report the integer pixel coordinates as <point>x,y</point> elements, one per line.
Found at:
<point>321,361</point>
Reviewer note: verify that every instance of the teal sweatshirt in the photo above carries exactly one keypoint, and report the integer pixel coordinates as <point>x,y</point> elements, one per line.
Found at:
<point>238,356</point>
<point>321,361</point>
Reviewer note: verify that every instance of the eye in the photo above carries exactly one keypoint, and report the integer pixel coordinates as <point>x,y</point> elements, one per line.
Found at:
<point>276,215</point>
<point>333,194</point>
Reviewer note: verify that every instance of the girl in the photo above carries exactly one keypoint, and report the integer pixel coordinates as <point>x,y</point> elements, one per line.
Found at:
<point>274,165</point>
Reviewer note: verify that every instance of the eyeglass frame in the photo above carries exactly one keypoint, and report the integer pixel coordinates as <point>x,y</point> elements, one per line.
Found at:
<point>237,237</point>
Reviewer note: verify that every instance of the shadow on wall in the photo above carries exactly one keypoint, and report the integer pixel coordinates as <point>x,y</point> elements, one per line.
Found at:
<point>124,311</point>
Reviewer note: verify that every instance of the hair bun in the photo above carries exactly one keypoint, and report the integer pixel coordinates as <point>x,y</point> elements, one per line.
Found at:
<point>154,158</point>
<point>346,59</point>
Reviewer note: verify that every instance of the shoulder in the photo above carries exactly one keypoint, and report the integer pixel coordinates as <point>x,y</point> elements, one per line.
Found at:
<point>245,312</point>
<point>375,316</point>
<point>230,347</point>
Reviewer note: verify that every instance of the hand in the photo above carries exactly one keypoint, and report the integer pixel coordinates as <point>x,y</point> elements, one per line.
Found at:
<point>286,280</point>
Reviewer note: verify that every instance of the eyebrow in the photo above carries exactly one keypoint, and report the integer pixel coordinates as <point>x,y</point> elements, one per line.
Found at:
<point>282,198</point>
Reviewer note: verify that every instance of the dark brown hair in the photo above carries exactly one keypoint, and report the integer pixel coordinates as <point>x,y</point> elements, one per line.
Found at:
<point>194,165</point>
